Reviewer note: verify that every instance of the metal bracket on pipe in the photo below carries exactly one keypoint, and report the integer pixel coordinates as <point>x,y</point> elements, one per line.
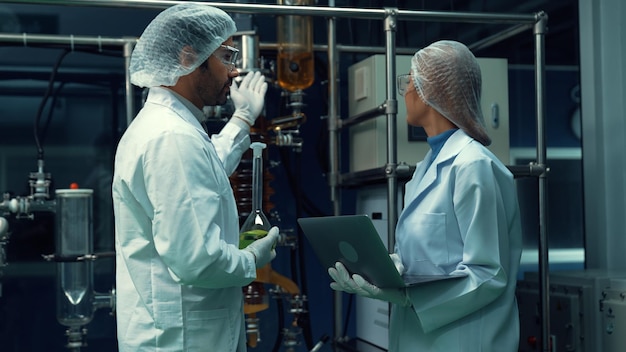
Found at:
<point>541,26</point>
<point>391,106</point>
<point>533,169</point>
<point>391,18</point>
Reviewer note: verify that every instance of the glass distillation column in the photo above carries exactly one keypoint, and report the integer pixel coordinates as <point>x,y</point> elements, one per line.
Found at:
<point>76,299</point>
<point>254,227</point>
<point>295,67</point>
<point>295,49</point>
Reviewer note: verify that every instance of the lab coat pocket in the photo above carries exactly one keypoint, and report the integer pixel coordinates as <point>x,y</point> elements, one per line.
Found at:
<point>210,330</point>
<point>425,245</point>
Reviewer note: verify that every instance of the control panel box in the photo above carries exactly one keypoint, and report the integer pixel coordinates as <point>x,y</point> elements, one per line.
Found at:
<point>578,311</point>
<point>613,311</point>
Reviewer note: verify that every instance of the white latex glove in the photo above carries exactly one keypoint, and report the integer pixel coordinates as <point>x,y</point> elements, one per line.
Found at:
<point>397,261</point>
<point>263,248</point>
<point>249,97</point>
<point>358,285</point>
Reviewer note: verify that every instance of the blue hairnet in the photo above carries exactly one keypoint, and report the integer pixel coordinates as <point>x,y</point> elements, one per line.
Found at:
<point>447,77</point>
<point>176,42</point>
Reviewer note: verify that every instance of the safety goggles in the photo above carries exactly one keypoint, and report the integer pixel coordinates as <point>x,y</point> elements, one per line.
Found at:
<point>227,55</point>
<point>403,83</point>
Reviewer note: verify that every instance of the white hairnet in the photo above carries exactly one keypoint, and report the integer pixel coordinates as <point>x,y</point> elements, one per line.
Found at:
<point>176,42</point>
<point>447,77</point>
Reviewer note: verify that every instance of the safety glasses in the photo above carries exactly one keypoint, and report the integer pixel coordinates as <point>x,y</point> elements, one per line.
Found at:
<point>403,83</point>
<point>227,55</point>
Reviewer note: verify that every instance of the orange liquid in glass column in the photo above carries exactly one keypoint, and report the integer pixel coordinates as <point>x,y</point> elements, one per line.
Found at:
<point>295,70</point>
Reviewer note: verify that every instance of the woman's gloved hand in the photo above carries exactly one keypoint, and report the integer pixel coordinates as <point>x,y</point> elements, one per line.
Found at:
<point>263,248</point>
<point>358,285</point>
<point>249,97</point>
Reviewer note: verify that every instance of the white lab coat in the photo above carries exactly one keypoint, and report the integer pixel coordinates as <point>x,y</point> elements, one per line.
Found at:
<point>460,215</point>
<point>179,273</point>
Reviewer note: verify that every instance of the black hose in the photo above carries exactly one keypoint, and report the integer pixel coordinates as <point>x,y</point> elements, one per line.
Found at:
<point>348,313</point>
<point>281,323</point>
<point>308,335</point>
<point>47,94</point>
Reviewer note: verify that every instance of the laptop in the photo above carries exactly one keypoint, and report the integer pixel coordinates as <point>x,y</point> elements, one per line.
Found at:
<point>354,241</point>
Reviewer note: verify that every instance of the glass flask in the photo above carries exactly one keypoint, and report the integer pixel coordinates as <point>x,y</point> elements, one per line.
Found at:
<point>254,227</point>
<point>74,238</point>
<point>295,49</point>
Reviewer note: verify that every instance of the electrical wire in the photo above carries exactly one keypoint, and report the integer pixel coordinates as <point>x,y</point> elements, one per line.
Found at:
<point>51,91</point>
<point>42,105</point>
<point>346,322</point>
<point>55,95</point>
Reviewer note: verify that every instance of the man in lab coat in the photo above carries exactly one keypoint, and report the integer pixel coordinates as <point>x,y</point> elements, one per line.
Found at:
<point>179,269</point>
<point>460,216</point>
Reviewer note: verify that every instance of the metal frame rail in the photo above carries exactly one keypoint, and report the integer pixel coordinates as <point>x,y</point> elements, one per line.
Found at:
<point>390,16</point>
<point>72,41</point>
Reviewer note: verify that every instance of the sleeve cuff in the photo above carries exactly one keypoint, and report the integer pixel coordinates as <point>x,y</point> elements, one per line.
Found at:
<point>240,122</point>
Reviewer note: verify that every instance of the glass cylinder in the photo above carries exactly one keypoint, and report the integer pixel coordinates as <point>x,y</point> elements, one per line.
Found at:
<point>256,224</point>
<point>254,227</point>
<point>74,239</point>
<point>295,49</point>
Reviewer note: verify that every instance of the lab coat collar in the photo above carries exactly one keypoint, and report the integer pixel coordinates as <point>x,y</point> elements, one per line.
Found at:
<point>181,106</point>
<point>453,146</point>
<point>457,141</point>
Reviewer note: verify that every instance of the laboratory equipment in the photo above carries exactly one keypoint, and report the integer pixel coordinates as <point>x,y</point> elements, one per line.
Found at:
<point>4,237</point>
<point>76,300</point>
<point>74,239</point>
<point>585,305</point>
<point>254,227</point>
<point>295,49</point>
<point>256,297</point>
<point>24,207</point>
<point>295,70</point>
<point>250,58</point>
<point>613,310</point>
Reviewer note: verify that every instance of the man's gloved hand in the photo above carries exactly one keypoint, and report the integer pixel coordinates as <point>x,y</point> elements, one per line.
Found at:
<point>263,248</point>
<point>358,285</point>
<point>249,97</point>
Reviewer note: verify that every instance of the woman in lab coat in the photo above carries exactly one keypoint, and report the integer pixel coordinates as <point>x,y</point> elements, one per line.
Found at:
<point>460,216</point>
<point>180,271</point>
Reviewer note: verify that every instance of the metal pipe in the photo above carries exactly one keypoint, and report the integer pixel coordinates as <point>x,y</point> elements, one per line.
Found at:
<point>391,112</point>
<point>345,48</point>
<point>128,86</point>
<point>71,40</point>
<point>364,116</point>
<point>126,45</point>
<point>104,300</point>
<point>270,9</point>
<point>498,37</point>
<point>530,170</point>
<point>544,294</point>
<point>333,141</point>
<point>333,113</point>
<point>42,40</point>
